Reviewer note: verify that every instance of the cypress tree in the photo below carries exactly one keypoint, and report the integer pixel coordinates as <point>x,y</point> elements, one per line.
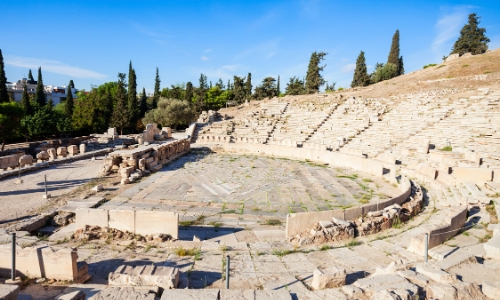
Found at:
<point>72,84</point>
<point>156,93</point>
<point>401,66</point>
<point>313,78</point>
<point>248,85</point>
<point>361,77</point>
<point>39,94</point>
<point>121,116</point>
<point>394,53</point>
<point>472,38</point>
<point>132,94</point>
<point>210,83</point>
<point>25,101</point>
<point>4,96</point>
<point>189,91</point>
<point>143,106</point>
<point>201,90</point>
<point>30,76</point>
<point>278,90</point>
<point>68,107</point>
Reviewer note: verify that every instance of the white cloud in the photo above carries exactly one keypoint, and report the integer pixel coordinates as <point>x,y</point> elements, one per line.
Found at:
<point>310,7</point>
<point>448,28</point>
<point>348,68</point>
<point>52,66</point>
<point>266,50</point>
<point>205,58</point>
<point>208,50</point>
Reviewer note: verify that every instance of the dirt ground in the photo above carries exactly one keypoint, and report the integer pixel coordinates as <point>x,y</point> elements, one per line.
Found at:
<point>20,200</point>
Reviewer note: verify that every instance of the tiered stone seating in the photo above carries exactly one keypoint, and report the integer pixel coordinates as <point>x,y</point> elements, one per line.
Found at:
<point>299,122</point>
<point>347,121</point>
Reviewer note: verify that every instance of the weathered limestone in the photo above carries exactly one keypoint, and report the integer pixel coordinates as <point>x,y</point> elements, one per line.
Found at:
<point>491,289</point>
<point>436,274</point>
<point>163,277</point>
<point>123,293</point>
<point>492,248</point>
<point>42,156</point>
<point>83,148</point>
<point>9,291</point>
<point>61,152</point>
<point>391,282</point>
<point>328,278</point>
<point>76,295</point>
<point>72,150</point>
<point>10,161</point>
<point>25,160</point>
<point>43,261</point>
<point>52,153</point>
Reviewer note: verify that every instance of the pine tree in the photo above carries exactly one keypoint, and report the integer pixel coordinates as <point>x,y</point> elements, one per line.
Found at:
<point>25,101</point>
<point>220,84</point>
<point>30,76</point>
<point>133,108</point>
<point>156,93</point>
<point>143,105</point>
<point>313,78</point>
<point>4,95</point>
<point>39,93</point>
<point>278,90</point>
<point>189,92</point>
<point>248,85</point>
<point>361,77</point>
<point>121,115</point>
<point>68,107</point>
<point>472,38</point>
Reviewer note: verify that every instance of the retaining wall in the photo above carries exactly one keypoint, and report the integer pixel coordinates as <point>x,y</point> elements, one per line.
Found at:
<point>136,221</point>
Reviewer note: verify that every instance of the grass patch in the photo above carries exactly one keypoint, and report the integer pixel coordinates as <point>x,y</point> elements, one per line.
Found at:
<point>353,243</point>
<point>272,222</point>
<point>189,252</point>
<point>255,208</point>
<point>429,65</point>
<point>441,66</point>
<point>447,148</point>
<point>352,177</point>
<point>465,66</point>
<point>229,211</point>
<point>487,72</point>
<point>485,238</point>
<point>396,223</point>
<point>200,220</point>
<point>465,233</point>
<point>216,224</point>
<point>366,180</point>
<point>490,208</point>
<point>324,248</point>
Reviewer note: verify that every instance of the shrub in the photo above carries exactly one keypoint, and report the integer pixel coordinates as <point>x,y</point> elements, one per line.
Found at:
<point>429,65</point>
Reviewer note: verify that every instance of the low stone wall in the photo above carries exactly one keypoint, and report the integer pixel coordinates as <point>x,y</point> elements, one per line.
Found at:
<point>190,131</point>
<point>456,220</point>
<point>296,222</point>
<point>143,222</point>
<point>476,175</point>
<point>10,161</point>
<point>44,262</point>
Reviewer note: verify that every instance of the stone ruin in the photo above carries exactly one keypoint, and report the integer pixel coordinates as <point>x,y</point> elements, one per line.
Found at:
<point>208,117</point>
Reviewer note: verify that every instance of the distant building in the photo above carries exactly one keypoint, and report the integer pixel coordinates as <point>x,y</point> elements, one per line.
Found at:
<point>56,93</point>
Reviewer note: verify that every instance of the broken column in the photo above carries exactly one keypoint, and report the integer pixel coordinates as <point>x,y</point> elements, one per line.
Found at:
<point>61,152</point>
<point>72,150</point>
<point>328,278</point>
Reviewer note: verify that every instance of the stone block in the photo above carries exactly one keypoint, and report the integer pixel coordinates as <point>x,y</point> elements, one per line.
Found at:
<point>98,188</point>
<point>43,155</point>
<point>112,131</point>
<point>192,294</point>
<point>123,220</point>
<point>153,222</point>
<point>75,295</point>
<point>26,160</point>
<point>491,289</point>
<point>149,275</point>
<point>83,148</point>
<point>91,217</point>
<point>61,151</point>
<point>124,293</point>
<point>436,274</point>
<point>72,150</point>
<point>124,181</point>
<point>142,164</point>
<point>9,291</point>
<point>328,278</point>
<point>125,172</point>
<point>492,248</point>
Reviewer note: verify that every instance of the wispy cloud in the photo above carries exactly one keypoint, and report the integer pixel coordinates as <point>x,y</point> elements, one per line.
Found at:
<point>205,58</point>
<point>264,20</point>
<point>348,68</point>
<point>224,72</point>
<point>208,50</point>
<point>52,66</point>
<point>266,50</point>
<point>448,27</point>
<point>310,7</point>
<point>156,34</point>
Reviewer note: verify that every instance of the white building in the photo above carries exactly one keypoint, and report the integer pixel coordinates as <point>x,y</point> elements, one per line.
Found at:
<point>56,93</point>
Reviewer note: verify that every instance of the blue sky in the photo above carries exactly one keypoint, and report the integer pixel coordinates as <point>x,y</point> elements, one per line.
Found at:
<point>91,41</point>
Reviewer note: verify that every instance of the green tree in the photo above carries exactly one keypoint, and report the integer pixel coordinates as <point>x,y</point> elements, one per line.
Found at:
<point>200,93</point>
<point>10,117</point>
<point>295,87</point>
<point>229,84</point>
<point>71,84</point>
<point>143,104</point>
<point>68,107</point>
<point>121,115</point>
<point>220,84</point>
<point>472,38</point>
<point>133,108</point>
<point>384,72</point>
<point>248,85</point>
<point>401,66</point>
<point>30,76</point>
<point>394,57</point>
<point>266,90</point>
<point>189,92</point>
<point>170,112</point>
<point>25,101</point>
<point>314,80</point>
<point>156,93</point>
<point>239,91</point>
<point>216,98</point>
<point>361,77</point>
<point>43,123</point>
<point>278,89</point>
<point>4,95</point>
<point>39,92</point>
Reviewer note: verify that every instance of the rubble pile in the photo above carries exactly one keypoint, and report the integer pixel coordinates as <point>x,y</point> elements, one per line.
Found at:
<point>98,233</point>
<point>373,222</point>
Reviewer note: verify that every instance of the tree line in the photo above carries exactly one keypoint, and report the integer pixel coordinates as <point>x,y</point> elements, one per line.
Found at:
<point>119,103</point>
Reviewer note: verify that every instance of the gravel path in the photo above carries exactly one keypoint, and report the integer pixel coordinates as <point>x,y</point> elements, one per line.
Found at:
<point>18,200</point>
